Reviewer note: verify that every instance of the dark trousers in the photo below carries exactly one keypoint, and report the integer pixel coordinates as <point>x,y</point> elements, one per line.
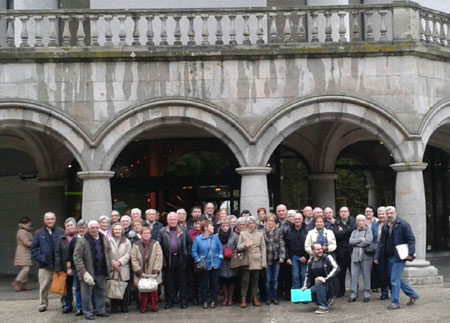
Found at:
<point>249,277</point>
<point>176,281</point>
<point>344,263</point>
<point>209,284</point>
<point>285,280</point>
<point>69,297</point>
<point>151,297</point>
<point>193,284</point>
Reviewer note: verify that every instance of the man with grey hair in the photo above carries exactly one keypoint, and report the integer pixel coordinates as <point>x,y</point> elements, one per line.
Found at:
<point>153,223</point>
<point>281,213</point>
<point>182,217</point>
<point>114,216</point>
<point>135,214</point>
<point>92,258</point>
<point>82,226</point>
<point>307,215</point>
<point>43,251</point>
<point>397,233</point>
<point>176,245</point>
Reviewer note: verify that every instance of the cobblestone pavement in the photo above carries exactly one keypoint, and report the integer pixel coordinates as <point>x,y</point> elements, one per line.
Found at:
<point>433,306</point>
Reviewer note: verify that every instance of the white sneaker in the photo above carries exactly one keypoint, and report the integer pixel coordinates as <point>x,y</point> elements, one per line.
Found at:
<point>321,311</point>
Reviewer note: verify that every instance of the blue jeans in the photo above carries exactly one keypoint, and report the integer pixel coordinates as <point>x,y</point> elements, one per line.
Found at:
<point>272,273</point>
<point>396,269</point>
<point>319,295</point>
<point>76,282</point>
<point>298,272</point>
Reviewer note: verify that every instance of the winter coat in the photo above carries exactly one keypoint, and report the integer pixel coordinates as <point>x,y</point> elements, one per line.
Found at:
<point>122,254</point>
<point>402,234</point>
<point>358,245</point>
<point>225,270</point>
<point>184,245</point>
<point>257,252</point>
<point>289,242</point>
<point>23,254</point>
<point>209,250</point>
<point>62,254</point>
<point>154,265</point>
<point>342,236</point>
<point>84,260</point>
<point>44,245</point>
<point>275,247</point>
<point>313,235</point>
<point>157,226</point>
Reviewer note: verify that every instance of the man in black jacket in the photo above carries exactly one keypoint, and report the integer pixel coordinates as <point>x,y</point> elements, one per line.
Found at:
<point>295,237</point>
<point>342,231</point>
<point>176,245</point>
<point>320,275</point>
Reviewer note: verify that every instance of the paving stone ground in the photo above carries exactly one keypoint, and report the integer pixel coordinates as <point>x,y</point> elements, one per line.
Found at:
<point>433,306</point>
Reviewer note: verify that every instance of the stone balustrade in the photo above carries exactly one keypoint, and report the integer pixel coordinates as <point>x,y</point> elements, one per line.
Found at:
<point>221,27</point>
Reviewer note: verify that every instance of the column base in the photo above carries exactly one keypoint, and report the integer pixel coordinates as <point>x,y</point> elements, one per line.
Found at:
<point>421,272</point>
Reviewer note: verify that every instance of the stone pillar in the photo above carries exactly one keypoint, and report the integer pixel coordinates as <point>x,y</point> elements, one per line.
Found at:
<point>96,194</point>
<point>254,193</point>
<point>373,198</point>
<point>410,206</point>
<point>323,190</point>
<point>406,21</point>
<point>52,198</point>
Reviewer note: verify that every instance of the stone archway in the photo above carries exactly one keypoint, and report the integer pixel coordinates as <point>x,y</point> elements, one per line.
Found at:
<point>437,116</point>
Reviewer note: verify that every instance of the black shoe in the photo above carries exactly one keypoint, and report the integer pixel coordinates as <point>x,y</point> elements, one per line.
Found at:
<point>383,297</point>
<point>168,305</point>
<point>42,308</point>
<point>124,309</point>
<point>142,311</point>
<point>339,295</point>
<point>412,301</point>
<point>89,317</point>
<point>275,301</point>
<point>183,306</point>
<point>213,305</point>
<point>366,299</point>
<point>79,313</point>
<point>103,314</point>
<point>155,310</point>
<point>351,299</point>
<point>205,305</point>
<point>67,310</point>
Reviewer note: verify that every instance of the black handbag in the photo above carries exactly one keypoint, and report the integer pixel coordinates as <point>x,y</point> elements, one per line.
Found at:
<point>370,249</point>
<point>201,265</point>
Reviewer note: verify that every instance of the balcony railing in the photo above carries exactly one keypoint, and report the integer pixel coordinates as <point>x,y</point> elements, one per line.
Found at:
<point>222,27</point>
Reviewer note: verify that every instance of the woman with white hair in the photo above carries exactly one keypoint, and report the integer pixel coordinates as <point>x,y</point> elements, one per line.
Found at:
<point>104,222</point>
<point>241,225</point>
<point>251,241</point>
<point>361,261</point>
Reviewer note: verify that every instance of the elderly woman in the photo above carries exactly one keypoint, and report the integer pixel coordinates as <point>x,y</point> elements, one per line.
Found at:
<point>379,272</point>
<point>207,249</point>
<point>125,220</point>
<point>321,235</point>
<point>63,263</point>
<point>147,260</point>
<point>228,277</point>
<point>361,262</point>
<point>251,241</point>
<point>135,234</point>
<point>120,260</point>
<point>275,255</point>
<point>232,219</point>
<point>262,213</point>
<point>82,227</point>
<point>104,222</point>
<point>23,254</point>
<point>241,225</point>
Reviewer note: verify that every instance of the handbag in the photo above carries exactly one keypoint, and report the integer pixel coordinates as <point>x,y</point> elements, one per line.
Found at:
<point>59,285</point>
<point>201,265</point>
<point>228,253</point>
<point>371,248</point>
<point>147,285</point>
<point>239,260</point>
<point>115,288</point>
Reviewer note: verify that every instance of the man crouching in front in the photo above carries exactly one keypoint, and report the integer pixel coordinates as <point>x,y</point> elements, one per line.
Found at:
<point>320,273</point>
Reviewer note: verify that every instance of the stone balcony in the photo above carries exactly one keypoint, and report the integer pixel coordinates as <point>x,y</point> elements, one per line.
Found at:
<point>167,34</point>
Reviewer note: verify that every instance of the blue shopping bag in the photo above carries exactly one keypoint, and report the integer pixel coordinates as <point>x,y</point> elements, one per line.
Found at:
<point>301,296</point>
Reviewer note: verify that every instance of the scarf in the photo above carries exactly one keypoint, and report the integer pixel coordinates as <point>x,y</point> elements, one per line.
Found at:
<point>321,238</point>
<point>224,236</point>
<point>71,235</point>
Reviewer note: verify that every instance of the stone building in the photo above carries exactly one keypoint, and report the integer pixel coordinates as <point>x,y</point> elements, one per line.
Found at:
<point>99,103</point>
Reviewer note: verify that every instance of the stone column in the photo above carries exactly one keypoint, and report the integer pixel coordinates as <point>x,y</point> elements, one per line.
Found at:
<point>52,198</point>
<point>410,206</point>
<point>254,193</point>
<point>96,194</point>
<point>323,190</point>
<point>373,198</point>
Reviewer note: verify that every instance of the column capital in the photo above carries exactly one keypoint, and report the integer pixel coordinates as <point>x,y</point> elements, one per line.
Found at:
<point>100,174</point>
<point>51,183</point>
<point>253,170</point>
<point>409,166</point>
<point>322,176</point>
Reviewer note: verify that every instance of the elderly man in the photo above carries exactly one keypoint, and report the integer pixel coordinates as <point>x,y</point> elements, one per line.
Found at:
<point>317,212</point>
<point>92,256</point>
<point>397,232</point>
<point>209,212</point>
<point>43,251</point>
<point>176,244</point>
<point>320,276</point>
<point>307,216</point>
<point>281,214</point>
<point>182,218</point>
<point>114,216</point>
<point>135,214</point>
<point>153,223</point>
<point>330,220</point>
<point>343,230</point>
<point>295,248</point>
<point>285,276</point>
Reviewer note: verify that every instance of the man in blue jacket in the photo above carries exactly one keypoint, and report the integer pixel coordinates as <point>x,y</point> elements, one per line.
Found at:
<point>43,251</point>
<point>397,232</point>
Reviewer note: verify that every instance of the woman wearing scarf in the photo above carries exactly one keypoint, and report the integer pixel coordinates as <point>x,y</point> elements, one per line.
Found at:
<point>23,254</point>
<point>275,255</point>
<point>120,260</point>
<point>228,277</point>
<point>361,262</point>
<point>321,235</point>
<point>146,260</point>
<point>207,249</point>
<point>63,263</point>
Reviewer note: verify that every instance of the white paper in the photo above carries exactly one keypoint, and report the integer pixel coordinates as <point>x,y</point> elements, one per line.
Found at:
<point>402,250</point>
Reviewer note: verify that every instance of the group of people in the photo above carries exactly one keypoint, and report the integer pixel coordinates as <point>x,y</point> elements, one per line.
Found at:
<point>195,258</point>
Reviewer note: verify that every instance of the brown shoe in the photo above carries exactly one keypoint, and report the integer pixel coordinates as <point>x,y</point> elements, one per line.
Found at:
<point>24,288</point>
<point>230,295</point>
<point>17,285</point>
<point>225,295</point>
<point>255,301</point>
<point>244,302</point>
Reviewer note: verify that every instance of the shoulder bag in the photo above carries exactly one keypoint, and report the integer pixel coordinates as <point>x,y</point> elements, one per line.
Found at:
<point>115,288</point>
